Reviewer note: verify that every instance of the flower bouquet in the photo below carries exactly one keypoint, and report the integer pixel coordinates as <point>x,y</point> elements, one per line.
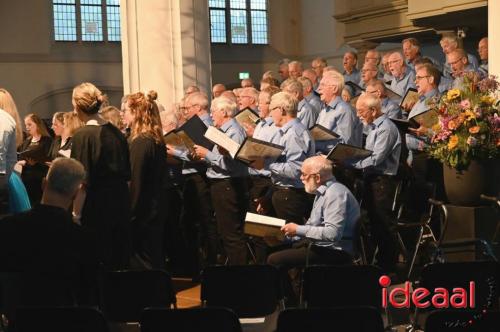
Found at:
<point>468,126</point>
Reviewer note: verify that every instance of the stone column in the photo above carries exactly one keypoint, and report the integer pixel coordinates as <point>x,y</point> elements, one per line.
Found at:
<point>165,46</point>
<point>493,37</point>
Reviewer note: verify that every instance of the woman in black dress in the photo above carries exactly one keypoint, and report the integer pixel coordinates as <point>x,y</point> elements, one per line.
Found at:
<point>34,152</point>
<point>103,150</point>
<point>148,159</point>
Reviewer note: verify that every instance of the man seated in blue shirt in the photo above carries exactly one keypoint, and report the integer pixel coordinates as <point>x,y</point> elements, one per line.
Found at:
<point>330,226</point>
<point>379,171</point>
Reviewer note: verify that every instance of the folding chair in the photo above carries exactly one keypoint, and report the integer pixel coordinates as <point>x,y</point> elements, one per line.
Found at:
<point>353,319</point>
<point>251,291</point>
<point>60,319</point>
<point>124,294</point>
<point>189,320</point>
<point>485,274</point>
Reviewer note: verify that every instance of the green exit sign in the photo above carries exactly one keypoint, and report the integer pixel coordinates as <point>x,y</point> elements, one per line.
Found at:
<point>244,75</point>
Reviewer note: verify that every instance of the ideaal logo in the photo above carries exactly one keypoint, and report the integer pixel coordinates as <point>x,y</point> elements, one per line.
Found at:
<point>423,298</point>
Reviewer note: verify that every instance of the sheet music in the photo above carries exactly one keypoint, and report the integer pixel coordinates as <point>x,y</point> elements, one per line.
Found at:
<point>65,153</point>
<point>264,220</point>
<point>247,117</point>
<point>253,149</point>
<point>222,140</point>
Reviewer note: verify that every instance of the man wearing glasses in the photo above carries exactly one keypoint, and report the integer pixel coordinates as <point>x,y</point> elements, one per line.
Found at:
<point>460,65</point>
<point>368,73</point>
<point>248,98</point>
<point>390,108</point>
<point>330,226</point>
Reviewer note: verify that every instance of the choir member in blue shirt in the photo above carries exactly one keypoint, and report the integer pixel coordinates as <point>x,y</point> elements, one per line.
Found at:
<point>337,115</point>
<point>305,113</point>
<point>411,51</point>
<point>331,225</point>
<point>248,98</point>
<point>228,181</point>
<point>351,73</point>
<point>482,49</point>
<point>312,98</point>
<point>368,73</point>
<point>289,200</point>
<point>449,43</point>
<point>460,66</point>
<point>404,77</point>
<point>379,171</point>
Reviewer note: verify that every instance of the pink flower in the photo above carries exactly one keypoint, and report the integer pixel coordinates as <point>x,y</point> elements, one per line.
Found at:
<point>465,104</point>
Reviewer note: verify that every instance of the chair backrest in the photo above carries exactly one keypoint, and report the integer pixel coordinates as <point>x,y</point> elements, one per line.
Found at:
<point>352,319</point>
<point>60,319</point>
<point>124,294</point>
<point>30,289</point>
<point>485,274</point>
<point>189,320</point>
<point>339,286</point>
<point>251,291</point>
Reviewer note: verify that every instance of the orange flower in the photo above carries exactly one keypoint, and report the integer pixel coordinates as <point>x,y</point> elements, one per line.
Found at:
<point>474,130</point>
<point>452,125</point>
<point>453,142</point>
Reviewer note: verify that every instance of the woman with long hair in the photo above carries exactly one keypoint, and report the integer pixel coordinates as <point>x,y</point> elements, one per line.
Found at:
<point>103,150</point>
<point>8,105</point>
<point>34,152</point>
<point>64,125</point>
<point>148,160</point>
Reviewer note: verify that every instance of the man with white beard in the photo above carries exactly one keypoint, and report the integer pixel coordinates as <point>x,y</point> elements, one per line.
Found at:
<point>330,226</point>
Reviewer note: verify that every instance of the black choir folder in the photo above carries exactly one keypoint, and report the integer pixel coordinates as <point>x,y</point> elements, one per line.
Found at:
<point>320,133</point>
<point>250,150</point>
<point>263,226</point>
<point>403,124</point>
<point>247,117</point>
<point>345,152</point>
<point>190,133</point>
<point>427,119</point>
<point>37,154</point>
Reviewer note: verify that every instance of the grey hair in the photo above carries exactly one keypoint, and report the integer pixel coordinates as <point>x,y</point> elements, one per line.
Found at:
<point>226,105</point>
<point>65,176</point>
<point>369,101</point>
<point>320,165</point>
<point>169,118</point>
<point>197,98</point>
<point>294,86</point>
<point>286,101</point>
<point>336,77</point>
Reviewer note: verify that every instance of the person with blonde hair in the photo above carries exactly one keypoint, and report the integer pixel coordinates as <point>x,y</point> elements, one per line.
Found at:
<point>103,151</point>
<point>148,159</point>
<point>8,105</point>
<point>37,144</point>
<point>112,115</point>
<point>8,156</point>
<point>58,142</point>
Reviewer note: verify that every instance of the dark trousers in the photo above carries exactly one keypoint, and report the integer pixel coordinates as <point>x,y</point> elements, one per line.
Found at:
<point>230,202</point>
<point>258,187</point>
<point>378,198</point>
<point>292,204</point>
<point>199,228</point>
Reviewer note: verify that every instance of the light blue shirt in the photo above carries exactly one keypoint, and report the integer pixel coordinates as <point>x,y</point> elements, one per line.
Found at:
<point>333,217</point>
<point>299,146</point>
<point>315,103</point>
<point>354,76</point>
<point>339,117</point>
<point>401,84</point>
<point>385,142</point>
<point>458,81</point>
<point>223,166</point>
<point>414,143</point>
<point>388,77</point>
<point>265,131</point>
<point>306,114</point>
<point>8,152</point>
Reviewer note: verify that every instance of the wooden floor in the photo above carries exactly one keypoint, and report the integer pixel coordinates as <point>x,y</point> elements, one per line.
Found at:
<point>188,293</point>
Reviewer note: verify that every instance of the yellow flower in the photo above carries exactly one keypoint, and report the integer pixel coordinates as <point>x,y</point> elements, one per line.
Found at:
<point>474,130</point>
<point>452,143</point>
<point>452,94</point>
<point>469,115</point>
<point>452,125</point>
<point>436,127</point>
<point>487,100</point>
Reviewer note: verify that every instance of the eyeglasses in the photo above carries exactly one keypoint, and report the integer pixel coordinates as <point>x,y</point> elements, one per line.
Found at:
<point>305,175</point>
<point>455,62</point>
<point>367,70</point>
<point>276,108</point>
<point>417,78</point>
<point>394,61</point>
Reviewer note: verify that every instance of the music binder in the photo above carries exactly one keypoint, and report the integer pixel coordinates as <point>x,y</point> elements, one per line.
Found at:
<point>263,226</point>
<point>195,129</point>
<point>345,152</point>
<point>410,97</point>
<point>403,125</point>
<point>248,151</point>
<point>247,117</point>
<point>355,88</point>
<point>426,119</point>
<point>320,133</point>
<point>179,140</point>
<point>37,154</point>
<point>391,94</point>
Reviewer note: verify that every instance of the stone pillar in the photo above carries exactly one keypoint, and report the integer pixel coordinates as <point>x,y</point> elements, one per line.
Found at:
<point>493,37</point>
<point>165,46</point>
